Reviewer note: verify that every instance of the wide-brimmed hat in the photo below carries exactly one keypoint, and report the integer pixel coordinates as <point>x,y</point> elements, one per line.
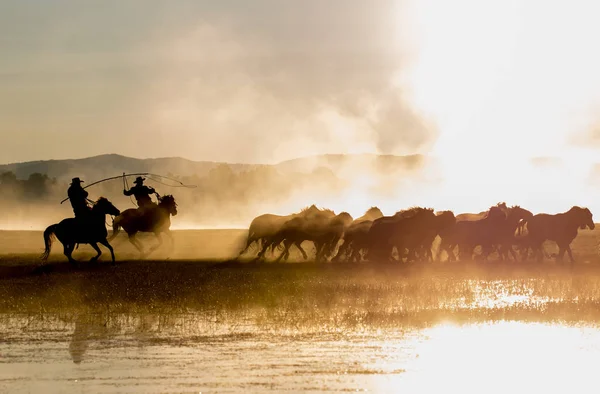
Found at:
<point>76,180</point>
<point>139,179</point>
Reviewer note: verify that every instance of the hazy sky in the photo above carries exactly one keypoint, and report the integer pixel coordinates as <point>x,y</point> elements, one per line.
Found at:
<point>257,80</point>
<point>267,80</point>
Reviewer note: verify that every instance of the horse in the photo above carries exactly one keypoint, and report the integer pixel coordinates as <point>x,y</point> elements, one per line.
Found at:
<point>91,230</point>
<point>267,225</point>
<point>468,234</point>
<point>356,232</point>
<point>506,233</point>
<point>400,231</point>
<point>442,221</point>
<point>560,228</point>
<point>156,220</point>
<point>322,230</point>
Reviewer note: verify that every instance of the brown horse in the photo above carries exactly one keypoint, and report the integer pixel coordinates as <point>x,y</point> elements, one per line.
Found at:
<point>155,220</point>
<point>403,230</point>
<point>505,236</point>
<point>442,221</point>
<point>322,230</point>
<point>468,234</point>
<point>74,231</point>
<point>560,228</point>
<point>265,226</point>
<point>355,232</point>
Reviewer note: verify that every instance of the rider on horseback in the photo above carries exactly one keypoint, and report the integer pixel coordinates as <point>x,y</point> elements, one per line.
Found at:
<point>78,197</point>
<point>142,194</point>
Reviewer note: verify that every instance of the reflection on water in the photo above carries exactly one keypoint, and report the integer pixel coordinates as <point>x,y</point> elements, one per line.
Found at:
<point>153,353</point>
<point>522,335</point>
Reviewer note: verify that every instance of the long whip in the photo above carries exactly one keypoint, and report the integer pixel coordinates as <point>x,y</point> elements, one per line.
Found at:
<point>181,184</point>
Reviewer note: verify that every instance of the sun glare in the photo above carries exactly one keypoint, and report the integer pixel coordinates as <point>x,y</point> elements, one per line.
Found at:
<point>507,81</point>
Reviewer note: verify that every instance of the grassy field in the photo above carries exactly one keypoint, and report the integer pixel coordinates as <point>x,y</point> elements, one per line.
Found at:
<point>201,278</point>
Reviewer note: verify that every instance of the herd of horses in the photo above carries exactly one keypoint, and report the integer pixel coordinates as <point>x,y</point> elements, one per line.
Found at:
<point>408,235</point>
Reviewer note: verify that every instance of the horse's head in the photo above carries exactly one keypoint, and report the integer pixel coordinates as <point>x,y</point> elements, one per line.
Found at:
<point>496,213</point>
<point>518,213</point>
<point>586,219</point>
<point>168,203</point>
<point>445,219</point>
<point>345,218</point>
<point>105,207</point>
<point>373,213</point>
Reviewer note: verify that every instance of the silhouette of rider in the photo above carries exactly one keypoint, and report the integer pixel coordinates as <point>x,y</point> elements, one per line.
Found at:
<point>78,197</point>
<point>141,193</point>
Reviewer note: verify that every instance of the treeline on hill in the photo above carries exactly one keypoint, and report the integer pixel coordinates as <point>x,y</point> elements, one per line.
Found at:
<point>221,195</point>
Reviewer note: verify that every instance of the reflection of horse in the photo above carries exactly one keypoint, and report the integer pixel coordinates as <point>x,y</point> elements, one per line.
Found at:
<point>153,219</point>
<point>560,228</point>
<point>266,226</point>
<point>91,230</point>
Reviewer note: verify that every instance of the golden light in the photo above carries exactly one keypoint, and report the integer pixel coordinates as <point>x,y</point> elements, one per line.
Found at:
<point>506,81</point>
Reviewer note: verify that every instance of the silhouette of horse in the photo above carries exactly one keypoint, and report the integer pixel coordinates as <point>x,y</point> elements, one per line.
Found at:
<point>356,233</point>
<point>505,236</point>
<point>405,229</point>
<point>156,220</point>
<point>74,231</point>
<point>468,234</point>
<point>322,230</point>
<point>443,220</point>
<point>267,225</point>
<point>560,228</point>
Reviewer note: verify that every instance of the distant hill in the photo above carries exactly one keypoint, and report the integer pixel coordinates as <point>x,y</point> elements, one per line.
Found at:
<point>98,167</point>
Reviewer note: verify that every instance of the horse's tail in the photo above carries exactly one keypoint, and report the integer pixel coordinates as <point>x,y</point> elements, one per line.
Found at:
<point>116,228</point>
<point>48,234</point>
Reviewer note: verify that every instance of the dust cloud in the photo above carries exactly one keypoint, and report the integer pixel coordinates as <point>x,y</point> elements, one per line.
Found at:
<point>463,112</point>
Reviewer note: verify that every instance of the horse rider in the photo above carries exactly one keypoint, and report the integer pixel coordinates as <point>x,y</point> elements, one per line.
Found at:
<point>141,193</point>
<point>78,197</point>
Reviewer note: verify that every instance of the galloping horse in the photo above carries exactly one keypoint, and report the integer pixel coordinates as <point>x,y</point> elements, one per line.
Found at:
<point>560,228</point>
<point>265,226</point>
<point>73,231</point>
<point>156,220</point>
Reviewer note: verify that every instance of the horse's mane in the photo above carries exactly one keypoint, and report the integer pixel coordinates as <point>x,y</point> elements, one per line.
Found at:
<point>314,207</point>
<point>410,212</point>
<point>166,199</point>
<point>373,210</point>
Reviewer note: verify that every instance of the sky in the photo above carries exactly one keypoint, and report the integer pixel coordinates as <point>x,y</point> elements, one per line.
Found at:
<point>483,86</point>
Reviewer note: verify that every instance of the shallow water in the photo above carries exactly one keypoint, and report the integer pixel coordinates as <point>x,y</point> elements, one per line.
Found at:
<point>154,353</point>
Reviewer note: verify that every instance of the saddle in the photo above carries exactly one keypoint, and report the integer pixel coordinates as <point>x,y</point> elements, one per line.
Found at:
<point>147,214</point>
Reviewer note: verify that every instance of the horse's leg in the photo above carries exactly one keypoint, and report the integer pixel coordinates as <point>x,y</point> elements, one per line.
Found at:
<point>98,251</point>
<point>286,251</point>
<point>568,248</point>
<point>160,242</point>
<point>109,247</point>
<point>299,246</point>
<point>68,251</point>
<point>136,243</point>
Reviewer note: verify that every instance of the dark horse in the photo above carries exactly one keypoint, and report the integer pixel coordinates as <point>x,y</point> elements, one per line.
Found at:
<point>155,220</point>
<point>73,231</point>
<point>560,228</point>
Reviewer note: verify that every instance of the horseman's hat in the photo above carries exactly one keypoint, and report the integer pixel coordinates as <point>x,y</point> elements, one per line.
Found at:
<point>76,181</point>
<point>139,179</point>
